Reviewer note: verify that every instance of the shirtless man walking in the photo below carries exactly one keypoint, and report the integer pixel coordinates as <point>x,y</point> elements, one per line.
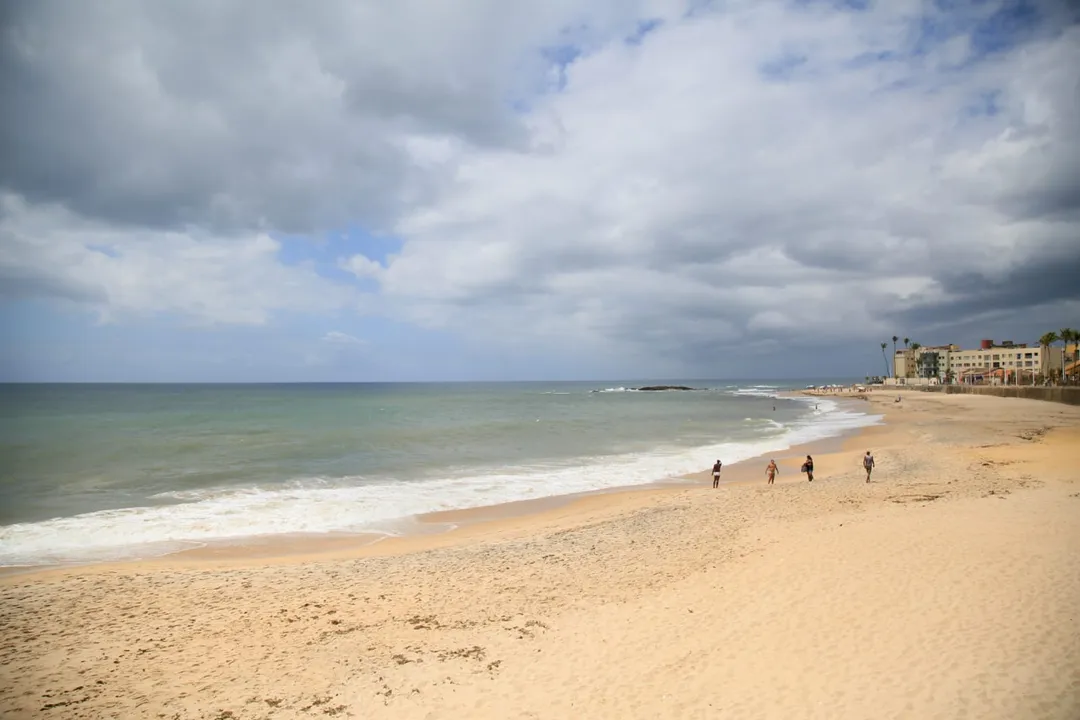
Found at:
<point>771,471</point>
<point>868,464</point>
<point>716,473</point>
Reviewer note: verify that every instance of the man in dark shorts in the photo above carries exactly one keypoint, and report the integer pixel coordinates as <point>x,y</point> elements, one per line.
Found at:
<point>808,468</point>
<point>716,473</point>
<point>868,464</point>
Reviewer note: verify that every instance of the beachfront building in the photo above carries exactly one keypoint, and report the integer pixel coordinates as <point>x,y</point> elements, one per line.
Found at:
<point>1005,362</point>
<point>924,362</point>
<point>1072,359</point>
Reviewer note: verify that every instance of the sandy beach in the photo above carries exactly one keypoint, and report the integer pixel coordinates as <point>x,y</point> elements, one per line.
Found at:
<point>947,588</point>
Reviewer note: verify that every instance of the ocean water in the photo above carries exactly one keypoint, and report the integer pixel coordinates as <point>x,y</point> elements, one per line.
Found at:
<point>98,472</point>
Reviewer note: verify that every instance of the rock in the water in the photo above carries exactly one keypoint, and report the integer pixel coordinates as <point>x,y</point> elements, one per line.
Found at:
<point>653,388</point>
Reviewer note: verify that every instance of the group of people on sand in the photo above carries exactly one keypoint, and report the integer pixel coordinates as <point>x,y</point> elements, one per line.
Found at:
<point>771,470</point>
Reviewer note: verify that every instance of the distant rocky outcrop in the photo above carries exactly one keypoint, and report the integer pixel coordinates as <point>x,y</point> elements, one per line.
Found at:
<point>654,388</point>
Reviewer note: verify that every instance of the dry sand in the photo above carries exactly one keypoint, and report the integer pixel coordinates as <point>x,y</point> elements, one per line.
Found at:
<point>948,588</point>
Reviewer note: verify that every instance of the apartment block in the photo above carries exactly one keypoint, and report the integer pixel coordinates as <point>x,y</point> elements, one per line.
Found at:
<point>1004,360</point>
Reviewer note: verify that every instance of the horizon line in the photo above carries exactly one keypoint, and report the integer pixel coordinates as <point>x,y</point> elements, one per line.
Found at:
<point>401,382</point>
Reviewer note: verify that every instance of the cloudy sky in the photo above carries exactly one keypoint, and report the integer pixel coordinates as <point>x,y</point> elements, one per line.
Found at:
<point>548,189</point>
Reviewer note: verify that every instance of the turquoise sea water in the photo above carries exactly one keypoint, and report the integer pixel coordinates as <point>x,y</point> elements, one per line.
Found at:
<point>105,471</point>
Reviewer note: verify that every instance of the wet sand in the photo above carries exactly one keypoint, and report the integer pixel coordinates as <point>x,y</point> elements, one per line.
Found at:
<point>946,588</point>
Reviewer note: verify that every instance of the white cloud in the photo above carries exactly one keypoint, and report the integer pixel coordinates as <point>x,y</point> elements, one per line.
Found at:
<point>297,117</point>
<point>335,337</point>
<point>207,279</point>
<point>749,173</point>
<point>679,193</point>
<point>362,266</point>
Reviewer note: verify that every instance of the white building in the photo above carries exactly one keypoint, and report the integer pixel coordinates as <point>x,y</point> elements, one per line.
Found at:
<point>1006,362</point>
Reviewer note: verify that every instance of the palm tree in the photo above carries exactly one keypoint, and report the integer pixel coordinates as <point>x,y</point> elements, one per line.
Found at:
<point>1067,335</point>
<point>918,358</point>
<point>894,339</point>
<point>885,358</point>
<point>1064,335</point>
<point>907,342</point>
<point>1076,347</point>
<point>1045,342</point>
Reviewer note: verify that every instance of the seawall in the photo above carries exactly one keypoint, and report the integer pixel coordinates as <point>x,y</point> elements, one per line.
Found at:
<point>1066,395</point>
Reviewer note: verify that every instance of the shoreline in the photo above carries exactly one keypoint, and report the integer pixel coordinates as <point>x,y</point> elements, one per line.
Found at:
<point>445,528</point>
<point>960,561</point>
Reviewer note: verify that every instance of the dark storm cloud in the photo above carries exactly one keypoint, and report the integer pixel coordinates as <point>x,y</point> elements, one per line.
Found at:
<point>1039,282</point>
<point>1055,199</point>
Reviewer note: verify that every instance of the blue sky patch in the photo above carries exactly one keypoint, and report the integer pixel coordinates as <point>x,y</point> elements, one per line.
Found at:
<point>850,5</point>
<point>104,250</point>
<point>325,253</point>
<point>1005,28</point>
<point>871,58</point>
<point>561,57</point>
<point>784,67</point>
<point>985,105</point>
<point>643,28</point>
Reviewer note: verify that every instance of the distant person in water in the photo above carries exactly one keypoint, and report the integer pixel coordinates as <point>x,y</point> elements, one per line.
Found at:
<point>716,473</point>
<point>771,470</point>
<point>868,464</point>
<point>808,468</point>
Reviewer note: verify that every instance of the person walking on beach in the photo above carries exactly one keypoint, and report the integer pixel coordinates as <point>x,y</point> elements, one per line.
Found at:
<point>868,464</point>
<point>716,473</point>
<point>771,471</point>
<point>808,468</point>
